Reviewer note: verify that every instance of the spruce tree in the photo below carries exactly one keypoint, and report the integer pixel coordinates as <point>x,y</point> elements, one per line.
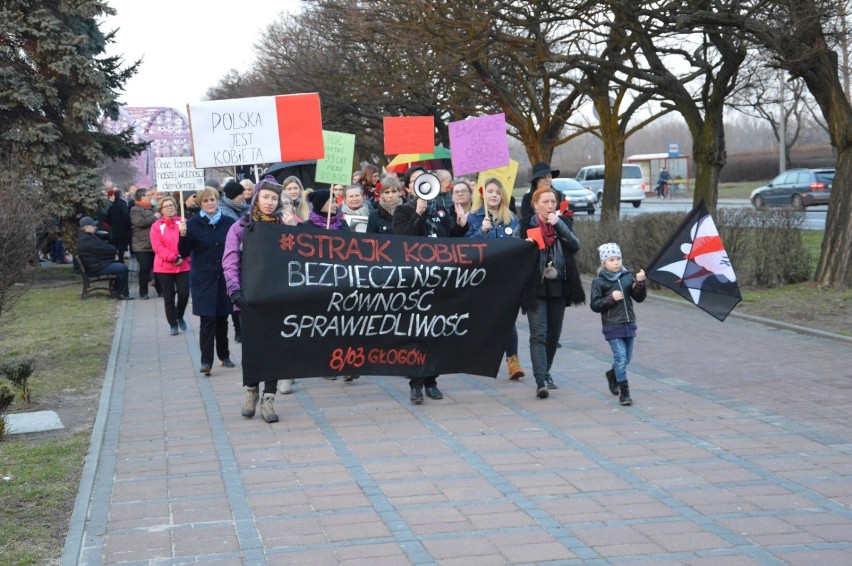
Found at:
<point>56,84</point>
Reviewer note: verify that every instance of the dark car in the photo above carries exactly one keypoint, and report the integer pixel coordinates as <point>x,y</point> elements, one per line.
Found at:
<point>796,188</point>
<point>578,196</point>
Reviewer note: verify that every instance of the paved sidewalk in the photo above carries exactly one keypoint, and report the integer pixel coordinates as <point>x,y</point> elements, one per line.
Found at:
<point>737,451</point>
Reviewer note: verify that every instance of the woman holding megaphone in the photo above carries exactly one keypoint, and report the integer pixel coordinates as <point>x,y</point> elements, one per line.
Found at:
<point>420,217</point>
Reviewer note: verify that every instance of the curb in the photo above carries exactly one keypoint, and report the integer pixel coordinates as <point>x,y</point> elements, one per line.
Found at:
<point>753,318</point>
<point>770,322</point>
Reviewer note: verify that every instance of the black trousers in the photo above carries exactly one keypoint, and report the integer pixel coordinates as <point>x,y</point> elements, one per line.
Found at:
<point>214,329</point>
<point>418,382</point>
<point>146,266</point>
<point>237,326</point>
<point>174,284</point>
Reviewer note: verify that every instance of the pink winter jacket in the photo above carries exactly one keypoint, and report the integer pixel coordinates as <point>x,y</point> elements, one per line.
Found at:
<point>164,239</point>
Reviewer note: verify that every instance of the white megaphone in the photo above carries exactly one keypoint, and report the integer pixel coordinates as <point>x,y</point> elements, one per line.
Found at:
<point>427,186</point>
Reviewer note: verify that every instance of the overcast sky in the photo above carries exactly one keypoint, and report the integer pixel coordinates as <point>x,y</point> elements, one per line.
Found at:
<point>186,47</point>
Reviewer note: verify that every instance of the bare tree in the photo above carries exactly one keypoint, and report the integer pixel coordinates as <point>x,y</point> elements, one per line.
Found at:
<point>21,225</point>
<point>796,33</point>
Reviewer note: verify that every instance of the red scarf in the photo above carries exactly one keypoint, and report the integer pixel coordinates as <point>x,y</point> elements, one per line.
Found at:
<point>548,232</point>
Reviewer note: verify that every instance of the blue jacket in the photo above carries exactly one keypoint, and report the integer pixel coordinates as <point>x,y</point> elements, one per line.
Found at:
<point>205,244</point>
<point>499,230</point>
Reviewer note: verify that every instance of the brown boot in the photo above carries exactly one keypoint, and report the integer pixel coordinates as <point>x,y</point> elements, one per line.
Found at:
<point>267,410</point>
<point>250,403</point>
<point>516,372</point>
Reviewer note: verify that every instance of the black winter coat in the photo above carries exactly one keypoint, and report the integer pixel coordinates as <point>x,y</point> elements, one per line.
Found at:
<point>94,252</point>
<point>119,221</point>
<point>613,312</point>
<point>205,244</point>
<point>380,221</point>
<point>438,222</point>
<point>572,287</point>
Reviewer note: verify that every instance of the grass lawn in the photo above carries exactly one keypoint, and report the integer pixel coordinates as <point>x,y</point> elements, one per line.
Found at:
<point>70,341</point>
<point>737,190</point>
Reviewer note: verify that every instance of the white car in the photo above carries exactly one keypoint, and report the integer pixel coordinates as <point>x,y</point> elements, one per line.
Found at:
<point>632,182</point>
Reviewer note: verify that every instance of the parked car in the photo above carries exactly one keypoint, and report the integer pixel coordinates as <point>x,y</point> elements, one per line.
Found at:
<point>632,182</point>
<point>796,188</point>
<point>578,197</point>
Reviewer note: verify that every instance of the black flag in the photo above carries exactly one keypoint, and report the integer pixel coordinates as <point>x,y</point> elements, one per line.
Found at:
<point>695,265</point>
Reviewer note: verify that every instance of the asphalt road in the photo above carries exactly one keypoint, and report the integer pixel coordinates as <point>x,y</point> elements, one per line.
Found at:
<point>815,215</point>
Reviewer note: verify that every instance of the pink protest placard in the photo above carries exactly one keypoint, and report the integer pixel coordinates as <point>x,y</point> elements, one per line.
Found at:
<point>409,134</point>
<point>479,143</point>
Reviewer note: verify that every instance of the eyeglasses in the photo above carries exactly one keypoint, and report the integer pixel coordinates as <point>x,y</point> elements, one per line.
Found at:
<point>168,206</point>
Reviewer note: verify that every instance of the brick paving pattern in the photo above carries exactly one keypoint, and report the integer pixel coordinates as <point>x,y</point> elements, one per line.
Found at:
<point>737,451</point>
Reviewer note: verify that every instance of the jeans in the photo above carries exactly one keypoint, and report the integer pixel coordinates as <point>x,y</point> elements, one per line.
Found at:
<point>622,353</point>
<point>169,283</point>
<point>120,271</point>
<point>213,328</point>
<point>512,346</point>
<point>545,317</point>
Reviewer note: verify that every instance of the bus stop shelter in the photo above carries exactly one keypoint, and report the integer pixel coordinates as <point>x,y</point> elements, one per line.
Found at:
<point>652,163</point>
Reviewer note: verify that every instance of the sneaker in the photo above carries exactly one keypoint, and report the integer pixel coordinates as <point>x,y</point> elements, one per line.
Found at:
<point>226,362</point>
<point>542,393</point>
<point>349,378</point>
<point>417,395</point>
<point>285,386</point>
<point>550,385</point>
<point>434,393</point>
<point>182,324</point>
<point>205,369</point>
<point>173,330</point>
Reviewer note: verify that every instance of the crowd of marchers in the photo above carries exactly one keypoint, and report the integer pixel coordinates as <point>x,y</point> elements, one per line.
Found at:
<point>192,249</point>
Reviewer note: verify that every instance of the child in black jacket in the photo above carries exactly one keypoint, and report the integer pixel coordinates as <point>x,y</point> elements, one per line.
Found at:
<point>613,293</point>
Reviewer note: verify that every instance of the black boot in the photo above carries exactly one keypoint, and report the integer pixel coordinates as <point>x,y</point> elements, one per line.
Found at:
<point>624,398</point>
<point>613,384</point>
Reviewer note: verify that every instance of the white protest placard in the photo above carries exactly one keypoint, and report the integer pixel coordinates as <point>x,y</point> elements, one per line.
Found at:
<point>178,174</point>
<point>232,132</point>
<point>262,129</point>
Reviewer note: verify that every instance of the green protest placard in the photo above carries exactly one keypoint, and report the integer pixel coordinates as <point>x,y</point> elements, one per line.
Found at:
<point>336,167</point>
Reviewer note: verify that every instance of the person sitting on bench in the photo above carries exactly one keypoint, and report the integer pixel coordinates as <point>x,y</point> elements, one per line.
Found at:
<point>100,258</point>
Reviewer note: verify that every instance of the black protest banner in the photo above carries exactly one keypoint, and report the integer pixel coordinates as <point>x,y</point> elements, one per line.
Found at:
<point>334,303</point>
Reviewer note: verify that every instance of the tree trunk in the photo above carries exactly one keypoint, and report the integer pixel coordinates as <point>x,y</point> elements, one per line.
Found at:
<point>834,268</point>
<point>538,149</point>
<point>613,158</point>
<point>709,156</point>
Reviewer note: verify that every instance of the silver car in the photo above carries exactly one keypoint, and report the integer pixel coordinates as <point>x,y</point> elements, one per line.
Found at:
<point>632,182</point>
<point>578,196</point>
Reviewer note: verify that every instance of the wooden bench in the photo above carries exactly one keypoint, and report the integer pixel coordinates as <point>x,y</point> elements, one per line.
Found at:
<point>95,284</point>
